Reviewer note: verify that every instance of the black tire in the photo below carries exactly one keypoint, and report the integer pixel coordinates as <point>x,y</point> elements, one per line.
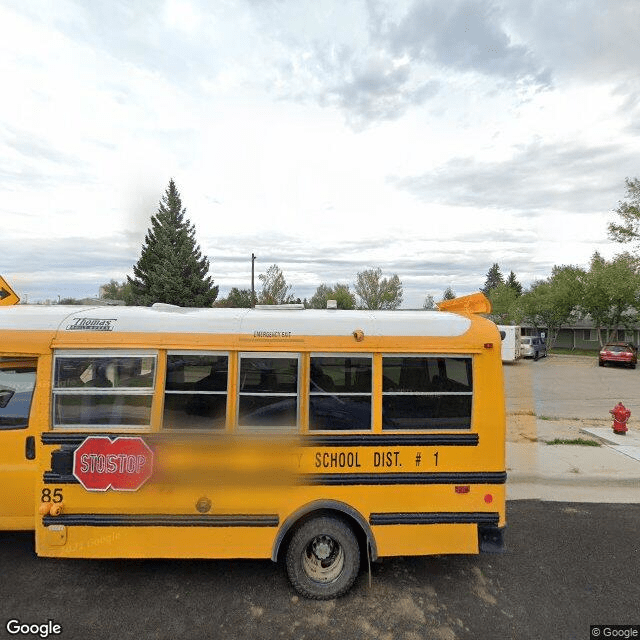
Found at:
<point>323,558</point>
<point>601,363</point>
<point>536,355</point>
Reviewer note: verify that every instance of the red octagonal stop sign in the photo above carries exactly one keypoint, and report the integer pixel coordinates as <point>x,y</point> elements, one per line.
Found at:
<point>123,464</point>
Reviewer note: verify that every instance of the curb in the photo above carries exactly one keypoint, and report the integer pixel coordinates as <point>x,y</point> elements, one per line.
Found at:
<point>580,480</point>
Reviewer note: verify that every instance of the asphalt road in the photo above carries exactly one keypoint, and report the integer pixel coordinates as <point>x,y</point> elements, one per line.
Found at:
<point>567,566</point>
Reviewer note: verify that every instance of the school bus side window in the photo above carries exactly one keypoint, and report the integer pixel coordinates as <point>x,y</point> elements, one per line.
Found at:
<point>340,393</point>
<point>426,392</point>
<point>103,390</point>
<point>196,391</point>
<point>17,381</point>
<point>268,390</point>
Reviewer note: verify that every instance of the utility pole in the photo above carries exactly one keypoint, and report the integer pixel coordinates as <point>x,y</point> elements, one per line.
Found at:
<point>253,288</point>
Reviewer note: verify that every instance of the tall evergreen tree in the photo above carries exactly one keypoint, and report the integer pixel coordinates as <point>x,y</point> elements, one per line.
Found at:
<point>171,267</point>
<point>494,278</point>
<point>513,283</point>
<point>448,294</point>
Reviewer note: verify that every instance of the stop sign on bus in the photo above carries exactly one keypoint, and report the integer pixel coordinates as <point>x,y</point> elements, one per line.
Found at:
<point>123,464</point>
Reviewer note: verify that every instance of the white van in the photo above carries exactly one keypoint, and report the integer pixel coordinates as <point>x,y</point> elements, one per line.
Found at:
<point>511,337</point>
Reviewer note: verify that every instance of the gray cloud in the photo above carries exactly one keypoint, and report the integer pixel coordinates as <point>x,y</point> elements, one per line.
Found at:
<point>539,177</point>
<point>34,148</point>
<point>406,61</point>
<point>39,164</point>
<point>588,39</point>
<point>466,35</point>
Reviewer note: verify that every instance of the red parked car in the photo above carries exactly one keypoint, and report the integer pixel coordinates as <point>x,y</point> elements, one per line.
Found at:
<point>619,353</point>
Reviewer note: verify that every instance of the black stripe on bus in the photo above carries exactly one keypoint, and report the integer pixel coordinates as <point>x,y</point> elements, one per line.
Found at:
<point>49,437</point>
<point>160,520</point>
<point>481,477</point>
<point>434,518</point>
<point>395,440</point>
<point>328,440</point>
<point>343,479</point>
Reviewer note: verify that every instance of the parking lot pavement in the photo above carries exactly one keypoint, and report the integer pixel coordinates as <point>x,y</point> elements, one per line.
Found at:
<point>573,387</point>
<point>569,397</point>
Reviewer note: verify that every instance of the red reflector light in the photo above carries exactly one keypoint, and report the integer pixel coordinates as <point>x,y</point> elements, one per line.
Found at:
<point>488,345</point>
<point>488,498</point>
<point>463,489</point>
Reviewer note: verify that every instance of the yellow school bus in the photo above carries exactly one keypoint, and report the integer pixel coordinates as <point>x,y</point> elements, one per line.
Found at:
<point>322,438</point>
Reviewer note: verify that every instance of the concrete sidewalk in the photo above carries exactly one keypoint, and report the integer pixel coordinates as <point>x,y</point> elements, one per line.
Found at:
<point>571,473</point>
<point>561,472</point>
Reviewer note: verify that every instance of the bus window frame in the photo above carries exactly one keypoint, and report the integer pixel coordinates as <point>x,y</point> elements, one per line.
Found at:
<point>451,355</point>
<point>259,429</point>
<point>163,390</point>
<point>107,391</point>
<point>342,354</point>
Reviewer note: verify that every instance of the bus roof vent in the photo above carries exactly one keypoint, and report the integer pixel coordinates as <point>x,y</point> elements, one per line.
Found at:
<point>269,307</point>
<point>163,306</point>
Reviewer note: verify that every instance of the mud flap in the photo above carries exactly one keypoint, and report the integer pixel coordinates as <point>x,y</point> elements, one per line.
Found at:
<point>491,539</point>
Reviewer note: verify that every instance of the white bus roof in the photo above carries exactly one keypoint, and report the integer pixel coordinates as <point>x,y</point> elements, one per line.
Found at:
<point>254,322</point>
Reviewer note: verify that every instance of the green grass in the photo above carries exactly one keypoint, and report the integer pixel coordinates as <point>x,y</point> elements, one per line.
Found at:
<point>574,352</point>
<point>581,441</point>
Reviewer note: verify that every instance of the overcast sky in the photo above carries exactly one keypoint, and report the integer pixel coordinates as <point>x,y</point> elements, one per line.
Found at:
<point>431,138</point>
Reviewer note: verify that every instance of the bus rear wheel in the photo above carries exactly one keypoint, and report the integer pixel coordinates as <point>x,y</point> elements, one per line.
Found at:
<point>323,558</point>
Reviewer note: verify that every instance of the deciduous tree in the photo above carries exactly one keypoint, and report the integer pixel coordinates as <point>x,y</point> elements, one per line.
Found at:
<point>275,289</point>
<point>551,302</point>
<point>237,298</point>
<point>611,293</point>
<point>113,290</point>
<point>503,300</point>
<point>340,293</point>
<point>628,229</point>
<point>376,292</point>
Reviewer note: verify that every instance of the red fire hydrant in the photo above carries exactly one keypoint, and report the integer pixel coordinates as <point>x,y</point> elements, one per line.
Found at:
<point>620,416</point>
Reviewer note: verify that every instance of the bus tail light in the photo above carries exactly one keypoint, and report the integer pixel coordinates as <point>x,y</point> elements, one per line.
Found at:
<point>488,498</point>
